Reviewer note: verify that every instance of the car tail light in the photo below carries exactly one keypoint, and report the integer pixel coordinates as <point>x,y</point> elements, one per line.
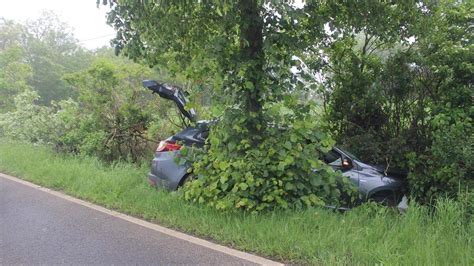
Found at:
<point>168,145</point>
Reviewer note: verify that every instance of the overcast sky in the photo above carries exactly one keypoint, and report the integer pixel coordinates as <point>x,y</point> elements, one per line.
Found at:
<point>83,16</point>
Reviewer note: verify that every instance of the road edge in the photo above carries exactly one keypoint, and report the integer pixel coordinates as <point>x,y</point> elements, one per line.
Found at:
<point>170,232</point>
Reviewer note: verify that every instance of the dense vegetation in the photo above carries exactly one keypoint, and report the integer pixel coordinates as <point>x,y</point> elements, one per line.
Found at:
<point>392,82</point>
<point>407,102</point>
<point>91,102</point>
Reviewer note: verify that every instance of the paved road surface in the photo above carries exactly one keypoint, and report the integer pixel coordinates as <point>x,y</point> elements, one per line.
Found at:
<point>39,228</point>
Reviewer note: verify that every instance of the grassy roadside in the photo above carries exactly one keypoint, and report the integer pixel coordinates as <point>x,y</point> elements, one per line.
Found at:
<point>315,236</point>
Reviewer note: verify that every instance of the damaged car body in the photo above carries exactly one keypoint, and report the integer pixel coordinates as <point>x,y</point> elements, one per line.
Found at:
<point>373,183</point>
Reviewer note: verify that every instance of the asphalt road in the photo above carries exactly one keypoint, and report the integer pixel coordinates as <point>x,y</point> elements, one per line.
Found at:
<point>39,228</point>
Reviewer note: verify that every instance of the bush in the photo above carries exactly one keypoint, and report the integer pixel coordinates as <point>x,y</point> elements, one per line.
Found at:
<point>109,120</point>
<point>114,112</point>
<point>28,121</point>
<point>446,168</point>
<point>277,172</point>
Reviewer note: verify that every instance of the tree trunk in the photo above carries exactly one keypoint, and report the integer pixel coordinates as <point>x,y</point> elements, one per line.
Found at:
<point>251,51</point>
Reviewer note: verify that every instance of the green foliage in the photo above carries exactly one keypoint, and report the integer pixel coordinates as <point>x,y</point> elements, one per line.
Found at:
<point>371,91</point>
<point>14,75</point>
<point>397,101</point>
<point>28,121</point>
<point>446,168</point>
<point>52,51</point>
<point>280,171</point>
<point>38,53</point>
<point>110,118</point>
<point>113,114</point>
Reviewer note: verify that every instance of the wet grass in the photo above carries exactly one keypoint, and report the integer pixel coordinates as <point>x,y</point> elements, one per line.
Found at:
<point>366,235</point>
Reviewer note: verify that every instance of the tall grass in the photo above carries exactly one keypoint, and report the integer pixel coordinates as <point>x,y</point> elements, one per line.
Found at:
<point>365,235</point>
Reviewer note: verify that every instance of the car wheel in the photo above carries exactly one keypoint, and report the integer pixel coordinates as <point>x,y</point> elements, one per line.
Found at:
<point>186,179</point>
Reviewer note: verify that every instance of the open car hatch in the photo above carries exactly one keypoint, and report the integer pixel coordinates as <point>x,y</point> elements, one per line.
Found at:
<point>171,93</point>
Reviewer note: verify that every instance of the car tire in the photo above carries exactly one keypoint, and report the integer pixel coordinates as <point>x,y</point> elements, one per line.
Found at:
<point>186,179</point>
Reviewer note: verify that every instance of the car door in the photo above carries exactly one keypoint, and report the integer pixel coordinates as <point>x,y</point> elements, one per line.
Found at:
<point>172,93</point>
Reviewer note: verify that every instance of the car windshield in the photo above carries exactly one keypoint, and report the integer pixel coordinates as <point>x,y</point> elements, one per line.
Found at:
<point>332,158</point>
<point>352,156</point>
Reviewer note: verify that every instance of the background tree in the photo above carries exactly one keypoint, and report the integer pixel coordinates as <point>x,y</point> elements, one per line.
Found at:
<point>10,35</point>
<point>48,49</point>
<point>14,72</point>
<point>51,51</point>
<point>401,91</point>
<point>14,75</point>
<point>364,109</point>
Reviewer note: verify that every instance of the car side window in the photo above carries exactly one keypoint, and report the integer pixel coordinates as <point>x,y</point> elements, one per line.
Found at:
<point>203,135</point>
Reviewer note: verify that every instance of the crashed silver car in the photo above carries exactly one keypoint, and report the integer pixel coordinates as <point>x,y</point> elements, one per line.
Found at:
<point>374,183</point>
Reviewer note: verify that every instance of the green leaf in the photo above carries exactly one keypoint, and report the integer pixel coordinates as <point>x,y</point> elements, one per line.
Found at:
<point>243,186</point>
<point>223,179</point>
<point>315,180</point>
<point>290,186</point>
<point>293,138</point>
<point>249,85</point>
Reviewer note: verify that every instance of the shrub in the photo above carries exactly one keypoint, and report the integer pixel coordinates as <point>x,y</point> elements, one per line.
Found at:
<point>446,168</point>
<point>113,114</point>
<point>280,171</point>
<point>28,121</point>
